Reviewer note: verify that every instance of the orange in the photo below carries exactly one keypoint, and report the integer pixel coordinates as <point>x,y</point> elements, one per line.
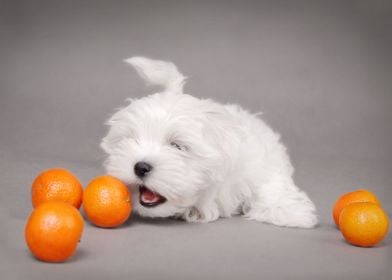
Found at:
<point>53,231</point>
<point>107,201</point>
<point>57,184</point>
<point>352,197</point>
<point>363,224</point>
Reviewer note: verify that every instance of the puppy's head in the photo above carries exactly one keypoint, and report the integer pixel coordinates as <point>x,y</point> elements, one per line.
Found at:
<point>169,147</point>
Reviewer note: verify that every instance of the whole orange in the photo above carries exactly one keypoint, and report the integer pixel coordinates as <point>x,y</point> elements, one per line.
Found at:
<point>352,197</point>
<point>53,231</point>
<point>107,201</point>
<point>57,184</point>
<point>363,224</point>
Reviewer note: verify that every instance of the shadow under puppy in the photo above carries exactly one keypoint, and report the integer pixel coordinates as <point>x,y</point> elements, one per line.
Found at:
<point>200,160</point>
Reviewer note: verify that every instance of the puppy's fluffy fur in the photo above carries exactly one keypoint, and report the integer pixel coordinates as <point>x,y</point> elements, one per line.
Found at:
<point>208,160</point>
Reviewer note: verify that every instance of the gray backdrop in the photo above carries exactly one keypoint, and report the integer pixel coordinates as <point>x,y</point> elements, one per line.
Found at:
<point>319,70</point>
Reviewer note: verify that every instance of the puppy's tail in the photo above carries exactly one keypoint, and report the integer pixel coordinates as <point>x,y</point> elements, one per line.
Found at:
<point>158,72</point>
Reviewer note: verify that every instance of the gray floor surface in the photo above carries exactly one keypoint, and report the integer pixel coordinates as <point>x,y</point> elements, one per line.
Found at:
<point>319,70</point>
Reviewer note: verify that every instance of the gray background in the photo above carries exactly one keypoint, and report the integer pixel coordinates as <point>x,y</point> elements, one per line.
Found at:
<point>320,72</point>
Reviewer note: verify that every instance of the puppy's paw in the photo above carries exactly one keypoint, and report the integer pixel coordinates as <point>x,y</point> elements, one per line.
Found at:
<point>191,215</point>
<point>196,215</point>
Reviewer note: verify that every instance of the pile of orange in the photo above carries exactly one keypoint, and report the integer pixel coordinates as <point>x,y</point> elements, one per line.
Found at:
<point>55,226</point>
<point>361,219</point>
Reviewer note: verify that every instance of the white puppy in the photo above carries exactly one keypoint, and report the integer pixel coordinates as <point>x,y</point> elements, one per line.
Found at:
<point>199,160</point>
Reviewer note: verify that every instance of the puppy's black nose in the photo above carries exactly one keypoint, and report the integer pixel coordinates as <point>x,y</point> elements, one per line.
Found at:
<point>142,168</point>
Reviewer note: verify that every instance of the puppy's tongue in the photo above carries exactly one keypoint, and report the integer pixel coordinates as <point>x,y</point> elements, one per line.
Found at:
<point>150,196</point>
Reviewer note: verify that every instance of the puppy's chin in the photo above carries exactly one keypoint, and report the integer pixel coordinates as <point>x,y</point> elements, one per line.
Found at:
<point>166,209</point>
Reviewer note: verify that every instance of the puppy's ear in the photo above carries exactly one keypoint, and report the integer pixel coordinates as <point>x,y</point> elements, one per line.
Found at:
<point>158,72</point>
<point>119,129</point>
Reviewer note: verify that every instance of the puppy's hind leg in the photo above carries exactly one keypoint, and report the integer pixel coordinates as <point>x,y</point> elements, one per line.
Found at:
<point>281,203</point>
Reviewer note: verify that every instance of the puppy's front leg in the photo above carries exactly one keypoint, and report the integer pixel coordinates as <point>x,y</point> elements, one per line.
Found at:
<point>205,211</point>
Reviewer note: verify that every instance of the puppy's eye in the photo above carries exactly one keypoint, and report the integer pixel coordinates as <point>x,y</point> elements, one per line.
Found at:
<point>175,145</point>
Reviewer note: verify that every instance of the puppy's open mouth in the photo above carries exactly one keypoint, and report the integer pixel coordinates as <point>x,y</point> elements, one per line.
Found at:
<point>148,198</point>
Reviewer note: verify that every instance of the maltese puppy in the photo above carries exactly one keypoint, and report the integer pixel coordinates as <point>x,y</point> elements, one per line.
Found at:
<point>199,160</point>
